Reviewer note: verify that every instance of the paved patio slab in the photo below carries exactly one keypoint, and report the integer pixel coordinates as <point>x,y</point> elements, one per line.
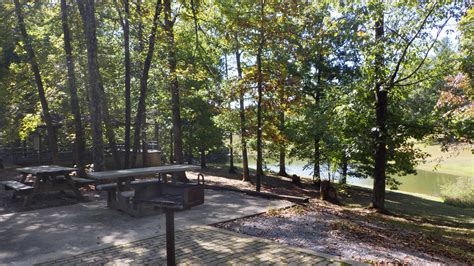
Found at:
<point>203,245</point>
<point>35,236</point>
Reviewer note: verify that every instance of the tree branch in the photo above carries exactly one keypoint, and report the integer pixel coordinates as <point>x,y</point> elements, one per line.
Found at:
<point>411,83</point>
<point>425,56</point>
<point>405,50</point>
<point>397,33</point>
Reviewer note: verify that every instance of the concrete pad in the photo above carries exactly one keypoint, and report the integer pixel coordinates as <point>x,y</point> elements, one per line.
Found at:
<point>35,236</point>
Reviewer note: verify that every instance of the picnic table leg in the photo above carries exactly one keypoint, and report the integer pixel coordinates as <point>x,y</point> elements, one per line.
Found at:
<point>73,187</point>
<point>23,177</point>
<point>170,248</point>
<point>36,185</point>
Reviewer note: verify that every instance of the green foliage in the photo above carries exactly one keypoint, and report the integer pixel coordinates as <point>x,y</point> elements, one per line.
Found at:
<point>318,76</point>
<point>203,133</point>
<point>466,27</point>
<point>29,124</point>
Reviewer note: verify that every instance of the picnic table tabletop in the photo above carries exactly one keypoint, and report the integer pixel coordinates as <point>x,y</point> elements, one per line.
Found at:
<point>45,169</point>
<point>134,172</point>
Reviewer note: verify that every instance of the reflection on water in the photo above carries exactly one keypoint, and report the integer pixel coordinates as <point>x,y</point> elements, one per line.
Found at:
<point>424,182</point>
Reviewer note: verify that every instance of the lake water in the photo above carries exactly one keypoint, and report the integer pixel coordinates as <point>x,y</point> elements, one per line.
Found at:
<point>424,182</point>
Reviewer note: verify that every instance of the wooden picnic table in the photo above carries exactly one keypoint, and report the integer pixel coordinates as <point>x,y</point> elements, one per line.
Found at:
<point>49,178</point>
<point>134,197</point>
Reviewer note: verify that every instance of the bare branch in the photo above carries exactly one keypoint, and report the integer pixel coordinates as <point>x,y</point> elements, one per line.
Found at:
<point>412,83</point>
<point>397,33</point>
<point>425,56</point>
<point>405,50</point>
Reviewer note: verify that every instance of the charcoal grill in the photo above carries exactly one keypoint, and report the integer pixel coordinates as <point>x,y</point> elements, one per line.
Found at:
<point>171,197</point>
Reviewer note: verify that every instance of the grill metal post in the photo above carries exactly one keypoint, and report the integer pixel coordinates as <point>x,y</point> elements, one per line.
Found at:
<point>170,248</point>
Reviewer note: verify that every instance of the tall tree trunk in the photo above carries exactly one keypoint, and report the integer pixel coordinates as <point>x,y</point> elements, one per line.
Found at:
<point>203,158</point>
<point>190,147</point>
<point>157,136</point>
<point>141,109</point>
<point>317,168</point>
<point>231,139</point>
<point>87,9</point>
<point>260,96</point>
<point>144,142</point>
<point>281,118</point>
<point>381,102</point>
<point>344,168</point>
<point>141,47</point>
<point>282,155</point>
<point>231,156</point>
<point>243,128</point>
<point>171,147</point>
<point>52,137</point>
<point>109,128</point>
<point>317,138</point>
<point>175,105</point>
<point>80,144</point>
<point>128,104</point>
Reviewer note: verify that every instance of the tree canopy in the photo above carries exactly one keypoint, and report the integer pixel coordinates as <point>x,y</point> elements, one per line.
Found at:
<point>346,87</point>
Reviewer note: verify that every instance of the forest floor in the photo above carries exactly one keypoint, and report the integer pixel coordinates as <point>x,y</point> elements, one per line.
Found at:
<point>418,230</point>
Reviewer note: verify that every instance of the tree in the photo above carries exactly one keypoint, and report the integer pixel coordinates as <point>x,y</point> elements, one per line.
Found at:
<point>232,28</point>
<point>75,108</point>
<point>52,137</point>
<point>320,40</point>
<point>261,44</point>
<point>381,101</point>
<point>206,135</point>
<point>140,118</point>
<point>398,60</point>
<point>174,86</point>
<point>467,43</point>
<point>87,9</point>
<point>243,126</point>
<point>125,22</point>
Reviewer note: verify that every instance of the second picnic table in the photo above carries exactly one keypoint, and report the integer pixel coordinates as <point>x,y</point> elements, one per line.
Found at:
<point>48,178</point>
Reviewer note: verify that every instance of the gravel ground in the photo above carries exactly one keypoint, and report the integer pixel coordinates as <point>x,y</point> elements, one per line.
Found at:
<point>329,231</point>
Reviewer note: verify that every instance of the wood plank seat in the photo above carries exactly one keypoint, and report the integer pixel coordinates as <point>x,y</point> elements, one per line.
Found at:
<point>106,187</point>
<point>83,181</point>
<point>15,185</point>
<point>135,183</point>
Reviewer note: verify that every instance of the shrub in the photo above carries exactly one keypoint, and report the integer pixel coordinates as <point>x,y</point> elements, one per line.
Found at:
<point>459,193</point>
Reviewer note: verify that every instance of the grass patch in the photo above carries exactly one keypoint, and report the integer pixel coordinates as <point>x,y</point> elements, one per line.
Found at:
<point>458,161</point>
<point>459,193</point>
<point>426,225</point>
<point>414,208</point>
